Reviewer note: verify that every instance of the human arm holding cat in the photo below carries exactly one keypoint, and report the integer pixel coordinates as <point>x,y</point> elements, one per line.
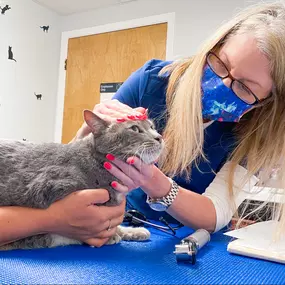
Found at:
<point>189,208</point>
<point>212,210</point>
<point>88,223</point>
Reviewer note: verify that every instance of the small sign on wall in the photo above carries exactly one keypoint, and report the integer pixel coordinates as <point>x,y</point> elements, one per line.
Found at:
<point>107,90</point>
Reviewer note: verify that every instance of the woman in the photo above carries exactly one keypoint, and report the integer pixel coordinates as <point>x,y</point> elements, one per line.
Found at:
<point>239,71</point>
<point>234,88</point>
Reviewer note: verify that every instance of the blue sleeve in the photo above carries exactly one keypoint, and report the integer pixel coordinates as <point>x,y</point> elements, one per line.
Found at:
<point>133,89</point>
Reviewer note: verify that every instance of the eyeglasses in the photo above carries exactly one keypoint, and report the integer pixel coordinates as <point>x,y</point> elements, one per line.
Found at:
<point>135,218</point>
<point>240,90</point>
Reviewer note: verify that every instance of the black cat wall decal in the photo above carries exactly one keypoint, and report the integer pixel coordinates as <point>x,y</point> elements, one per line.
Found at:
<point>10,54</point>
<point>5,9</point>
<point>45,28</point>
<point>39,96</point>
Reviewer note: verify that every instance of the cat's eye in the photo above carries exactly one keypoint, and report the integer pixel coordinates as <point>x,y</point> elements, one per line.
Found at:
<point>136,129</point>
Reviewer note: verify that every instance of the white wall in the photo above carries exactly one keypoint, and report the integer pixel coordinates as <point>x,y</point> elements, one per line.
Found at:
<point>36,70</point>
<point>195,19</point>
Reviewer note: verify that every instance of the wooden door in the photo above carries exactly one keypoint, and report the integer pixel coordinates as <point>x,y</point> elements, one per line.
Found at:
<point>103,58</point>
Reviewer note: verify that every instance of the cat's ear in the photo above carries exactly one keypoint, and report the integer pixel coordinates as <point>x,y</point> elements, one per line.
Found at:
<point>95,123</point>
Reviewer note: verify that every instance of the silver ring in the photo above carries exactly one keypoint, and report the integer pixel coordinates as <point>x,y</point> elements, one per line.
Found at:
<point>109,227</point>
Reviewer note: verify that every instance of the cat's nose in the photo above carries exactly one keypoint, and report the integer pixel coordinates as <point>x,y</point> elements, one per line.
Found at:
<point>158,138</point>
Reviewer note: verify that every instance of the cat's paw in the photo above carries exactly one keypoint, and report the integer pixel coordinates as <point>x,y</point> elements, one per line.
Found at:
<point>114,239</point>
<point>135,234</point>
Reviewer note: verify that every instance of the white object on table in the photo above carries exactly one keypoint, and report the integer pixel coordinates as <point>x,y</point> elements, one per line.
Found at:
<point>258,241</point>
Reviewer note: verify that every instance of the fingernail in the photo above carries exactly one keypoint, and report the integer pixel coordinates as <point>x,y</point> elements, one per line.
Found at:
<point>131,161</point>
<point>121,120</point>
<point>139,116</point>
<point>107,165</point>
<point>114,184</point>
<point>110,157</point>
<point>131,117</point>
<point>144,117</point>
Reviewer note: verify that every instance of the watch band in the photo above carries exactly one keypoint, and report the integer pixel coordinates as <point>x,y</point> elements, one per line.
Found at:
<point>169,198</point>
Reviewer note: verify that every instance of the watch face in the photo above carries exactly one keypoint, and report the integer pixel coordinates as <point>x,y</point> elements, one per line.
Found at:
<point>158,206</point>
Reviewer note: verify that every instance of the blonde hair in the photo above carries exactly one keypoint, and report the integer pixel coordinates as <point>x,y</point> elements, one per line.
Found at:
<point>261,135</point>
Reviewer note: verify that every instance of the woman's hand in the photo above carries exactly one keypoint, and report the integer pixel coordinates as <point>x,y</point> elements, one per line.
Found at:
<point>112,111</point>
<point>76,216</point>
<point>133,173</point>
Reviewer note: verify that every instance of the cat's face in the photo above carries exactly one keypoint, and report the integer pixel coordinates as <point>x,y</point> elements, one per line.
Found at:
<point>134,138</point>
<point>130,138</point>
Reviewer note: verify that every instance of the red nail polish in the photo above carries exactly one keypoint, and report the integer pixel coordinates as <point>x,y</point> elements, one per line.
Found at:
<point>110,157</point>
<point>114,184</point>
<point>131,161</point>
<point>144,117</point>
<point>121,120</point>
<point>131,117</point>
<point>139,116</point>
<point>107,165</point>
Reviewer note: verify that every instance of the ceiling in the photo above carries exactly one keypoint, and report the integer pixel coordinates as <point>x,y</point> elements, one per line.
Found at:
<point>67,7</point>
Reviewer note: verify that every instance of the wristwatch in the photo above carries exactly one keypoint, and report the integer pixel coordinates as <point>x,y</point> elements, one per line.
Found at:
<point>162,204</point>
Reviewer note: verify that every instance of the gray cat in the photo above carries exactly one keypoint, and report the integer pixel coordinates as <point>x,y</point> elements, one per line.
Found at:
<point>36,175</point>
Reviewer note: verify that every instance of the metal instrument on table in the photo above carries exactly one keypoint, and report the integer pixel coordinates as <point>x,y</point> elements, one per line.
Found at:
<point>187,249</point>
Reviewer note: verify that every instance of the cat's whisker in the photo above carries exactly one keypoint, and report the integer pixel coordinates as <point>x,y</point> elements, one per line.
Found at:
<point>147,150</point>
<point>140,166</point>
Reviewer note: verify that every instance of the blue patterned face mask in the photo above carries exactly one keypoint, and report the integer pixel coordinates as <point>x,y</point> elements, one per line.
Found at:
<point>219,102</point>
